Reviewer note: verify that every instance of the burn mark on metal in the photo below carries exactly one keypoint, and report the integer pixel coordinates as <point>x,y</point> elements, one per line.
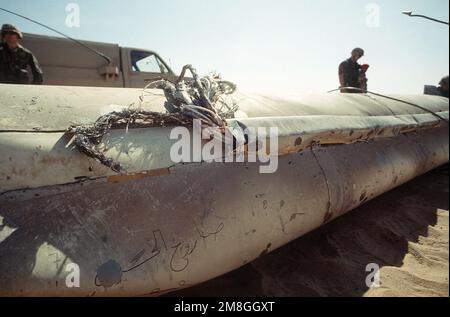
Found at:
<point>371,133</point>
<point>137,176</point>
<point>109,274</point>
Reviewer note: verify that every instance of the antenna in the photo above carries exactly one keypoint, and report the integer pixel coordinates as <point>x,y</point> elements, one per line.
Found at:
<point>107,58</point>
<point>411,14</point>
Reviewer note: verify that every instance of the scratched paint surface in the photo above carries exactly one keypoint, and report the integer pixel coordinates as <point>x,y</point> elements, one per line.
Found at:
<point>163,227</point>
<point>151,235</point>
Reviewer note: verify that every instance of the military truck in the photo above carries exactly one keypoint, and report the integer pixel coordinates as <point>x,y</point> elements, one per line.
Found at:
<point>67,63</point>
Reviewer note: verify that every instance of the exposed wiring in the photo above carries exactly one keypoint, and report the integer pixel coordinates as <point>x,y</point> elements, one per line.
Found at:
<point>186,100</point>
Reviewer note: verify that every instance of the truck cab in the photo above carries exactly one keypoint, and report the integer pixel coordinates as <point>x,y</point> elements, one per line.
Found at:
<point>67,63</point>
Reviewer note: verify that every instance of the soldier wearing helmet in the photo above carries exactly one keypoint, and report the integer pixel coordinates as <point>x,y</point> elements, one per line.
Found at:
<point>349,71</point>
<point>15,59</point>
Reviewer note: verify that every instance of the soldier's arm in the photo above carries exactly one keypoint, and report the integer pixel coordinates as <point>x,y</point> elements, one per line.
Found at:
<point>37,71</point>
<point>341,75</point>
<point>2,68</point>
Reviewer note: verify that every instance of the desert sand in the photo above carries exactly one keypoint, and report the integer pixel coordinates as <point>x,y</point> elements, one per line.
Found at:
<point>405,232</point>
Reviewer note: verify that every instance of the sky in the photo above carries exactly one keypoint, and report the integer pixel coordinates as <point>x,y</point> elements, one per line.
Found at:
<point>276,47</point>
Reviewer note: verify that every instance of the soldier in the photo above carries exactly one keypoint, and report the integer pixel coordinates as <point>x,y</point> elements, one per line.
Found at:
<point>15,59</point>
<point>443,87</point>
<point>349,71</point>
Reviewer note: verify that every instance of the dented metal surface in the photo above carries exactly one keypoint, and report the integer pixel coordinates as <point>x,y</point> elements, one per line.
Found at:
<point>163,226</point>
<point>35,158</point>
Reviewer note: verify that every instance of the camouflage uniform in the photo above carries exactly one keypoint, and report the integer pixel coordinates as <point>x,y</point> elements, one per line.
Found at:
<point>14,63</point>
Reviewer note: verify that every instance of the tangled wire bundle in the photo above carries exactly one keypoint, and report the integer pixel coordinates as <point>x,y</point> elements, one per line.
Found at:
<point>203,98</point>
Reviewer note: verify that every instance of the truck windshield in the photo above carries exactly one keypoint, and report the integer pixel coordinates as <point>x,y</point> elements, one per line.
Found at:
<point>147,62</point>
